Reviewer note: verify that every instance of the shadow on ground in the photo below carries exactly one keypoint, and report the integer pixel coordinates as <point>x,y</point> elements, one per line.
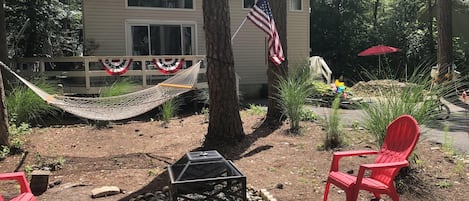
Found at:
<point>231,153</point>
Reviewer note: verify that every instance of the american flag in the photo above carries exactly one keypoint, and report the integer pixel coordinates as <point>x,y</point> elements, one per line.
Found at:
<point>261,16</point>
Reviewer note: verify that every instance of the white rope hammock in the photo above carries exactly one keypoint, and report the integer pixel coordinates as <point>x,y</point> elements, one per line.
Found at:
<point>123,106</point>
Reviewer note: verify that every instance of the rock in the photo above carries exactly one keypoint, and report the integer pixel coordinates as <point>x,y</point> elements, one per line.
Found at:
<point>279,186</point>
<point>105,191</point>
<point>435,148</point>
<point>166,189</point>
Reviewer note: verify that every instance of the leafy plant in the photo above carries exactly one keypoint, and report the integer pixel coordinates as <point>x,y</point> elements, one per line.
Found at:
<point>4,151</point>
<point>292,92</point>
<point>17,134</point>
<point>24,106</point>
<point>333,126</point>
<point>256,109</point>
<point>308,115</point>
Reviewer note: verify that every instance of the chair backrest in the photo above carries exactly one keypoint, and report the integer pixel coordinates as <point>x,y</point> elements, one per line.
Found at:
<point>401,137</point>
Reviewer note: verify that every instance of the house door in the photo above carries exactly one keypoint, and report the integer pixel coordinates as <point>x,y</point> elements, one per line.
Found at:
<point>161,39</point>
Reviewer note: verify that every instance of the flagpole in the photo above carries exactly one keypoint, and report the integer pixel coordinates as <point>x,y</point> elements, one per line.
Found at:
<point>237,30</point>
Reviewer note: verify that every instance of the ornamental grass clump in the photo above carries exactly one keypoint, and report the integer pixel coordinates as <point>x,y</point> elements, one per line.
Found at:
<point>333,126</point>
<point>119,87</point>
<point>27,107</point>
<point>417,97</point>
<point>169,110</point>
<point>292,92</point>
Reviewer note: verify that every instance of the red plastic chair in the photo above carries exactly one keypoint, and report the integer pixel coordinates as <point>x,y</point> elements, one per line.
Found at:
<point>401,137</point>
<point>26,194</point>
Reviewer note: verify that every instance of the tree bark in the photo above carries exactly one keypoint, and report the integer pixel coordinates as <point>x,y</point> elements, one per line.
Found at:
<point>4,135</point>
<point>225,127</point>
<point>431,42</point>
<point>445,42</point>
<point>375,14</point>
<point>274,112</point>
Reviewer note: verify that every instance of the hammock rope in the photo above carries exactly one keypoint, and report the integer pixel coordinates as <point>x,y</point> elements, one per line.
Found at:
<point>123,106</point>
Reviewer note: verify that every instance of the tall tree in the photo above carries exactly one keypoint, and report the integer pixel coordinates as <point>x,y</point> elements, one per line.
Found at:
<point>274,111</point>
<point>3,57</point>
<point>225,125</point>
<point>445,34</point>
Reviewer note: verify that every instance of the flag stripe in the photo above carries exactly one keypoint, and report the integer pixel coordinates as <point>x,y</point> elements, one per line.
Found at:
<point>261,16</point>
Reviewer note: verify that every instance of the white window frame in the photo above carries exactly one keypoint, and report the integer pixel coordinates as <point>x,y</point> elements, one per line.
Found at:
<point>296,10</point>
<point>130,23</point>
<point>160,8</point>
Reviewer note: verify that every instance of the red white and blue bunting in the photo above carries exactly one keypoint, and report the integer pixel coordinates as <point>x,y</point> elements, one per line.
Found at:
<point>116,66</point>
<point>168,66</point>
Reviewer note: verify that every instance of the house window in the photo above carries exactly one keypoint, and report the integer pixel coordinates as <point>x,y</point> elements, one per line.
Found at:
<point>296,5</point>
<point>160,39</point>
<point>248,3</point>
<point>184,4</point>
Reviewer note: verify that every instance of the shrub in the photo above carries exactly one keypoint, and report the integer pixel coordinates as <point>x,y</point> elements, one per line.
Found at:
<point>292,92</point>
<point>24,106</point>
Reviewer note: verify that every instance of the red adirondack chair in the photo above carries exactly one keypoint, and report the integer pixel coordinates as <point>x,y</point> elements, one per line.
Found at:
<point>401,137</point>
<point>26,194</point>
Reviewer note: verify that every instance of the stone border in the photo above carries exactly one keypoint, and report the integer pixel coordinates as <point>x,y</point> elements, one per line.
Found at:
<point>266,195</point>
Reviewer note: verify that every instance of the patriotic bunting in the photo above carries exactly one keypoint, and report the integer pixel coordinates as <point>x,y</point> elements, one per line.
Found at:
<point>168,66</point>
<point>116,66</point>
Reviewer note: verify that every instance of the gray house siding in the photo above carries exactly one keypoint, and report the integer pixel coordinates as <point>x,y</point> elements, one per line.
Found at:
<point>106,22</point>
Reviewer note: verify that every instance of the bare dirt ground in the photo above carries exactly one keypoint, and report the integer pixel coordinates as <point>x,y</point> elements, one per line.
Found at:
<point>134,157</point>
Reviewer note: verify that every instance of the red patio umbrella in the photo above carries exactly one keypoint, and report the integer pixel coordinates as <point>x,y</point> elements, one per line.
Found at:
<point>378,50</point>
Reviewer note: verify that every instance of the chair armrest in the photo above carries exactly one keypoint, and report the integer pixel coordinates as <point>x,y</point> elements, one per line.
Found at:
<point>20,177</point>
<point>374,166</point>
<point>336,156</point>
<point>400,164</point>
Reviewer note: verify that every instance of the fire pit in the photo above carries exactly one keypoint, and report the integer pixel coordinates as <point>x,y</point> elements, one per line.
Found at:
<point>206,175</point>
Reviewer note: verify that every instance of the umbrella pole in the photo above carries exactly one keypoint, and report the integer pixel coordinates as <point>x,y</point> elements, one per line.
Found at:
<point>379,65</point>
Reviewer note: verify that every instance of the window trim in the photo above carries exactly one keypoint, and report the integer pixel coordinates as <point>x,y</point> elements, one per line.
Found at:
<point>294,10</point>
<point>134,22</point>
<point>160,8</point>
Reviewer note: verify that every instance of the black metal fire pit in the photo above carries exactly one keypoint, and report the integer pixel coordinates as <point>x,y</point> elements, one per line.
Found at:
<point>206,175</point>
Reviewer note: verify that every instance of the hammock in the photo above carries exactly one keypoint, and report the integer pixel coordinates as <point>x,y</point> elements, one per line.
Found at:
<point>123,106</point>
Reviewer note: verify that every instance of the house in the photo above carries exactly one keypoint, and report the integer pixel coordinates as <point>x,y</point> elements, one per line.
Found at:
<point>175,27</point>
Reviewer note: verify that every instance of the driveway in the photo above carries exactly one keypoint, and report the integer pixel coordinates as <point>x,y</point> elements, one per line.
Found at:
<point>455,128</point>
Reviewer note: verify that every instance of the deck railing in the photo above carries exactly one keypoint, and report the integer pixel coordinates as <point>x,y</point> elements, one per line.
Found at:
<point>86,75</point>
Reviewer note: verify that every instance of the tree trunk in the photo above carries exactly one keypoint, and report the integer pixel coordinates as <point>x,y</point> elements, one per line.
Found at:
<point>375,14</point>
<point>3,57</point>
<point>431,42</point>
<point>274,111</point>
<point>445,42</point>
<point>225,127</point>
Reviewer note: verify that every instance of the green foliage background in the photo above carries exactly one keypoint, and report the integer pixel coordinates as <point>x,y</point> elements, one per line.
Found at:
<point>341,29</point>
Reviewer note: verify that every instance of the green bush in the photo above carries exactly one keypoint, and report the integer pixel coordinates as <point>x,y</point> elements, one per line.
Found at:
<point>24,106</point>
<point>292,92</point>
